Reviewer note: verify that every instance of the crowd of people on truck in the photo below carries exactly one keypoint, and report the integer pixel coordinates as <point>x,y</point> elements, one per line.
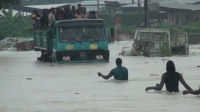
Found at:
<point>50,15</point>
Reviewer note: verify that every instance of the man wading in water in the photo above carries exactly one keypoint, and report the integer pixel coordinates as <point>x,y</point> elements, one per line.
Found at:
<point>171,79</point>
<point>119,73</point>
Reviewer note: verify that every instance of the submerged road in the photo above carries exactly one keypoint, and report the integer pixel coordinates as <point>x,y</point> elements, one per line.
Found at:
<point>77,88</point>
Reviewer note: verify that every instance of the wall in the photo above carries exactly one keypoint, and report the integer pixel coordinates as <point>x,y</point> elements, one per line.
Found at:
<point>194,38</point>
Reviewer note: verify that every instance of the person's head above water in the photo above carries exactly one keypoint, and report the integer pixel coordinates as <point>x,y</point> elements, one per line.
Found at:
<point>170,67</point>
<point>118,61</point>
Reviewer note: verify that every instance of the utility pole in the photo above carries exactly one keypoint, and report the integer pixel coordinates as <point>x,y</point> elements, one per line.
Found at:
<point>98,4</point>
<point>133,1</point>
<point>146,13</point>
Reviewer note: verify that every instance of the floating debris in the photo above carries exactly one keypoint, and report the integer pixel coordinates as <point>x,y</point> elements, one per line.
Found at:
<point>165,60</point>
<point>29,78</point>
<point>154,75</point>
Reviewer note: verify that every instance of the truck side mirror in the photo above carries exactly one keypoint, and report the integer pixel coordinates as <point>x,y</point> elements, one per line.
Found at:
<point>112,33</point>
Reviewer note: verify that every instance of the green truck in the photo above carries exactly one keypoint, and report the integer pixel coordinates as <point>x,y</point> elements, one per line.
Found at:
<point>75,40</point>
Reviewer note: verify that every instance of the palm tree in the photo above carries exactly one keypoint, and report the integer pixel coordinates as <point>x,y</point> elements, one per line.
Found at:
<point>13,25</point>
<point>9,13</point>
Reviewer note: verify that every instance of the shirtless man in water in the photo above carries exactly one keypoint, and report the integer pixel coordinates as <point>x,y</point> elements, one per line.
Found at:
<point>171,79</point>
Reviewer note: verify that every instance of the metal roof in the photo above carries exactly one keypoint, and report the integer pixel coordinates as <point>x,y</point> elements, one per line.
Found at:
<point>180,6</point>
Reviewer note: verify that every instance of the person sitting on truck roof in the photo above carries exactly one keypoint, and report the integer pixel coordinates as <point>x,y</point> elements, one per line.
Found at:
<point>171,79</point>
<point>119,73</point>
<point>196,92</point>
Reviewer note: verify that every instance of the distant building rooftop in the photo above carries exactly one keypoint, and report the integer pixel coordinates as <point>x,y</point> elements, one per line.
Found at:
<point>180,6</point>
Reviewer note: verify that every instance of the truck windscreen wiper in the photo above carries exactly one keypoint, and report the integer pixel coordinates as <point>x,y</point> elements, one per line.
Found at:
<point>74,39</point>
<point>90,38</point>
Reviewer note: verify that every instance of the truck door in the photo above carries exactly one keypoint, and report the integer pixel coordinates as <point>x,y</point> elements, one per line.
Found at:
<point>179,44</point>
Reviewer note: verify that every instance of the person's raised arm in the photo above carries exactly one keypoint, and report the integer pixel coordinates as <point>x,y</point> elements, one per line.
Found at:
<point>159,86</point>
<point>184,83</point>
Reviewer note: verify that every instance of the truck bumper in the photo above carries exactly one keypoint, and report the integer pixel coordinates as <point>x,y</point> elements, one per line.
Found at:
<point>82,56</point>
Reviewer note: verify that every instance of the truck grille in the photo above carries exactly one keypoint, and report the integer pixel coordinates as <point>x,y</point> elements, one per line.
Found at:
<point>79,55</point>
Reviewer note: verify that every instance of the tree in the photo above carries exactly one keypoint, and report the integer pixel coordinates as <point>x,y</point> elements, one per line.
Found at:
<point>14,26</point>
<point>4,4</point>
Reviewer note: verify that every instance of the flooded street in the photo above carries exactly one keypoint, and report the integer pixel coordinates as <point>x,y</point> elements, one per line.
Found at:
<point>77,88</point>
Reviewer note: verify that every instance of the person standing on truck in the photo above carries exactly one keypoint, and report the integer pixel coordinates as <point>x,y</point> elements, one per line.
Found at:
<point>44,19</point>
<point>36,17</point>
<point>73,12</point>
<point>58,14</point>
<point>84,12</point>
<point>92,15</point>
<point>79,7</point>
<point>197,92</point>
<point>171,79</point>
<point>51,16</point>
<point>78,14</point>
<point>67,14</point>
<point>119,73</point>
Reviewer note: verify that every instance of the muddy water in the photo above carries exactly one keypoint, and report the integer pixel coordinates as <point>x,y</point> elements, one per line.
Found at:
<point>77,88</point>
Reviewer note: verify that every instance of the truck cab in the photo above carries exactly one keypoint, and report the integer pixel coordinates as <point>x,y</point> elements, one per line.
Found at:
<point>159,42</point>
<point>75,40</point>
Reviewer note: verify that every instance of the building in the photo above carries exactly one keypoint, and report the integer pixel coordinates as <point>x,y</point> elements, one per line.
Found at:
<point>180,13</point>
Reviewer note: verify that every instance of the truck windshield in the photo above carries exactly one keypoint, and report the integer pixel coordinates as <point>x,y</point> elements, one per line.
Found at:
<point>81,33</point>
<point>152,36</point>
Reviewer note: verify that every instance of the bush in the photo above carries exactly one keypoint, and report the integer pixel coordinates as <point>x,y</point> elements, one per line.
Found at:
<point>15,27</point>
<point>189,28</point>
<point>164,49</point>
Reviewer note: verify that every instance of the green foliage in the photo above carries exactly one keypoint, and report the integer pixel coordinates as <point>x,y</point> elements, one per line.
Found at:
<point>16,26</point>
<point>189,28</point>
<point>164,49</point>
<point>124,29</point>
<point>129,29</point>
<point>127,18</point>
<point>8,3</point>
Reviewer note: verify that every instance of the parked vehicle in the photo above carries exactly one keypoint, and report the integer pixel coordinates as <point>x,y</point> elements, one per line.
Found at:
<point>159,42</point>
